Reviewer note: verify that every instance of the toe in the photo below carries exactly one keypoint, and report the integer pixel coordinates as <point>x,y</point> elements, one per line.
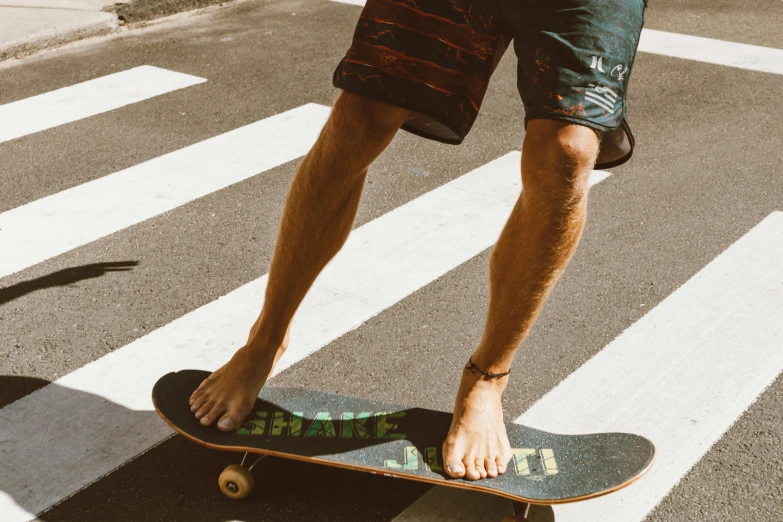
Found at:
<point>471,473</point>
<point>196,394</point>
<point>213,414</point>
<point>481,469</point>
<point>491,467</point>
<point>230,421</point>
<point>500,466</point>
<point>454,468</point>
<point>204,409</point>
<point>198,403</point>
<point>452,461</point>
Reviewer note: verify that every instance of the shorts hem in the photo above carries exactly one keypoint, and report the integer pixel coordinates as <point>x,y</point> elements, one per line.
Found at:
<point>615,163</point>
<point>433,137</point>
<point>391,99</point>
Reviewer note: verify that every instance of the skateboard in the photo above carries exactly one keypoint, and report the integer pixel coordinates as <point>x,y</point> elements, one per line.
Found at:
<point>397,441</point>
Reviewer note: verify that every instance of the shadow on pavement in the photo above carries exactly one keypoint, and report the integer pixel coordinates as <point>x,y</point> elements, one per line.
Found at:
<point>63,277</point>
<point>541,514</point>
<point>47,455</point>
<point>13,388</point>
<point>43,449</point>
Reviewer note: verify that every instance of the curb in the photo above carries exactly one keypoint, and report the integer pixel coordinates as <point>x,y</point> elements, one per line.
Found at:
<point>135,11</point>
<point>22,47</point>
<point>113,19</point>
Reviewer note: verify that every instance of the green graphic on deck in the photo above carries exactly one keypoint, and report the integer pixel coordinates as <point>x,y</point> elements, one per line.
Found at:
<point>355,427</point>
<point>322,426</point>
<point>432,460</point>
<point>543,461</point>
<point>410,463</point>
<point>290,424</point>
<point>364,425</point>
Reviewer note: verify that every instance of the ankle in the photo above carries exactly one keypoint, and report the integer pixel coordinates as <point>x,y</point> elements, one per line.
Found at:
<point>488,368</point>
<point>475,382</point>
<point>267,347</point>
<point>265,337</point>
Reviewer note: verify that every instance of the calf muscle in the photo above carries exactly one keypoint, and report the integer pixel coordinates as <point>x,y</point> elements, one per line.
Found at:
<point>539,238</point>
<point>321,206</point>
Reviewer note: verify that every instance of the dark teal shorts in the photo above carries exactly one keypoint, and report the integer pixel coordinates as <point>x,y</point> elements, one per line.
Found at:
<point>435,58</point>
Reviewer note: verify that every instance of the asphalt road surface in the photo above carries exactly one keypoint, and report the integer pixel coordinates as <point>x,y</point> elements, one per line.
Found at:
<point>138,213</point>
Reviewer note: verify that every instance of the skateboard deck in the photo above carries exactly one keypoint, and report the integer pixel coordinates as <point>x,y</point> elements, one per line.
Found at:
<point>398,441</point>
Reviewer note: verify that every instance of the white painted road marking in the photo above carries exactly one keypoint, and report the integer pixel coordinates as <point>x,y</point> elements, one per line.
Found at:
<point>681,375</point>
<point>89,98</point>
<point>58,223</point>
<point>708,50</point>
<point>63,437</point>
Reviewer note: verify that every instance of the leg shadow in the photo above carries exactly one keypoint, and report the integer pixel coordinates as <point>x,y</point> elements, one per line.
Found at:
<point>67,276</point>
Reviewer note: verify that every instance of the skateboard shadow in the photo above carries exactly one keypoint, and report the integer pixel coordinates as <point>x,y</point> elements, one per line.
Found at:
<point>13,388</point>
<point>45,451</point>
<point>541,514</point>
<point>47,455</point>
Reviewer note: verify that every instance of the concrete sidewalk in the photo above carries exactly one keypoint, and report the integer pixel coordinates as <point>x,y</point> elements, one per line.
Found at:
<point>27,26</point>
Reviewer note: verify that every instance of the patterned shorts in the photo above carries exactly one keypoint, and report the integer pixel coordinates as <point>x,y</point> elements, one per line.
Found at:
<point>435,58</point>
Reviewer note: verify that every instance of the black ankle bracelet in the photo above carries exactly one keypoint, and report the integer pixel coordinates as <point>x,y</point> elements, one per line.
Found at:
<point>488,375</point>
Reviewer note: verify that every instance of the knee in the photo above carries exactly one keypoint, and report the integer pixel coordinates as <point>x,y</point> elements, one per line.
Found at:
<point>557,159</point>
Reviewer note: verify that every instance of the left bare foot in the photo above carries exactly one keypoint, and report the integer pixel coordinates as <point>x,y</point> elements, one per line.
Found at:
<point>477,446</point>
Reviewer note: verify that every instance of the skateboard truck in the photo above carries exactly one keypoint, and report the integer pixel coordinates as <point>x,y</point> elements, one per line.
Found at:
<point>236,482</point>
<point>521,508</point>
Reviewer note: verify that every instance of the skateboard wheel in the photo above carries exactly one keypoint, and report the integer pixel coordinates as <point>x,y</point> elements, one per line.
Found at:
<point>236,482</point>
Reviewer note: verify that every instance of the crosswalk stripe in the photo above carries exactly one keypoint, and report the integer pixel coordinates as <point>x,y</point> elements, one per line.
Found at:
<point>680,376</point>
<point>708,50</point>
<point>61,222</point>
<point>88,98</point>
<point>100,415</point>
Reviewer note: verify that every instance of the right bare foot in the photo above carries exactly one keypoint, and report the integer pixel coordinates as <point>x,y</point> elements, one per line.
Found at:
<point>230,392</point>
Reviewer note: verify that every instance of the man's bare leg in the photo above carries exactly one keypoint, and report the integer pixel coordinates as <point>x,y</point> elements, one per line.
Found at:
<point>533,250</point>
<point>317,219</point>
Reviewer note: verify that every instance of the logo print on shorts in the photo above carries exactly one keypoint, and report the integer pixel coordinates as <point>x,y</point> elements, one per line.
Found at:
<point>598,63</point>
<point>619,73</point>
<point>604,97</point>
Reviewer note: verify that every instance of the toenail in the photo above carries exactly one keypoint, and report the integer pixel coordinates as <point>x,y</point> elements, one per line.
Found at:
<point>456,467</point>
